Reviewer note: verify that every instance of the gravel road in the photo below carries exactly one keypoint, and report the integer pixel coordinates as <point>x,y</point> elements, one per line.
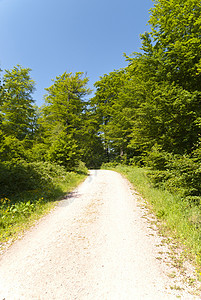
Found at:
<point>96,244</point>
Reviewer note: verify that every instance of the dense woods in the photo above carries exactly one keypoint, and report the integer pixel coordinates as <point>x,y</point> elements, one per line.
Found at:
<point>147,114</point>
<point>150,111</point>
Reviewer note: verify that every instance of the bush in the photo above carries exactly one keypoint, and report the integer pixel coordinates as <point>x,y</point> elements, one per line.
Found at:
<point>157,159</point>
<point>81,168</point>
<point>38,152</point>
<point>109,165</point>
<point>176,173</point>
<point>22,176</point>
<point>11,148</point>
<point>64,151</point>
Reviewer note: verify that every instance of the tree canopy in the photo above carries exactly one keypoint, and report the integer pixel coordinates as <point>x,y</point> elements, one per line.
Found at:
<point>16,102</point>
<point>150,106</point>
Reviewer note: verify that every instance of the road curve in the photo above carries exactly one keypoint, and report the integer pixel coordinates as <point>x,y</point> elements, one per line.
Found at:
<point>95,245</point>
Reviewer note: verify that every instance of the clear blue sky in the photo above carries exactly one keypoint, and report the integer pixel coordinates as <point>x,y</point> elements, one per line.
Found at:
<point>52,37</point>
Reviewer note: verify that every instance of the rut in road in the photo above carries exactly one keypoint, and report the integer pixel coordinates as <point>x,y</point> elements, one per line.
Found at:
<point>94,245</point>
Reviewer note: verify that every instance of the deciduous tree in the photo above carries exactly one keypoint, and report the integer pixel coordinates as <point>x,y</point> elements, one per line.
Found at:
<point>17,103</point>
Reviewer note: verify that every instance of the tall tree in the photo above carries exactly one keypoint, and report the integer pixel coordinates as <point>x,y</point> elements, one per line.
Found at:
<point>1,99</point>
<point>62,117</point>
<point>65,101</point>
<point>166,79</point>
<point>112,112</point>
<point>17,103</point>
<point>176,27</point>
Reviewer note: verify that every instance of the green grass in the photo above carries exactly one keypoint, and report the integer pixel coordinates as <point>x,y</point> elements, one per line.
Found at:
<point>176,218</point>
<point>20,211</point>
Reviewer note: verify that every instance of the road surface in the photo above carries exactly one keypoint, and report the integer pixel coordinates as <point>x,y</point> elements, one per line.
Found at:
<point>97,244</point>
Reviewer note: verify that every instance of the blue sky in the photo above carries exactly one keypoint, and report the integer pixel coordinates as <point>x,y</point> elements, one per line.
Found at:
<point>52,37</point>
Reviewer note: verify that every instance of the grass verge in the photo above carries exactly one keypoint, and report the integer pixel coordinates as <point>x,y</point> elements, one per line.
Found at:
<point>176,218</point>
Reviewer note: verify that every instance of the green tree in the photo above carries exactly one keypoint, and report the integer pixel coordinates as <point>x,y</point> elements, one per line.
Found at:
<point>17,104</point>
<point>112,112</point>
<point>1,99</point>
<point>176,27</point>
<point>62,117</point>
<point>90,141</point>
<point>65,101</point>
<point>169,118</point>
<point>165,79</point>
<point>63,150</point>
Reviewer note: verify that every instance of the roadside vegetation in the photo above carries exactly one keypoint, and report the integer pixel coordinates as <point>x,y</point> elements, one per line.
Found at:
<point>146,115</point>
<point>41,150</point>
<point>28,191</point>
<point>150,116</point>
<point>176,218</point>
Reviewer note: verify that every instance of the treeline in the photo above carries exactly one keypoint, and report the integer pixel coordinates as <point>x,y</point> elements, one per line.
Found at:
<point>63,132</point>
<point>150,112</point>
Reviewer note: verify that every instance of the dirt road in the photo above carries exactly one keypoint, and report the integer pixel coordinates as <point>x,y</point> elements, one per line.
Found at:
<point>96,245</point>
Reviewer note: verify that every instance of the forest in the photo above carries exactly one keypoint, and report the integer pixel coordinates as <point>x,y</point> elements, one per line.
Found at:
<point>147,114</point>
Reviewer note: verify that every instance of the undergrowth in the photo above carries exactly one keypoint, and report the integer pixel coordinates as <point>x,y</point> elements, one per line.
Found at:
<point>178,218</point>
<point>29,190</point>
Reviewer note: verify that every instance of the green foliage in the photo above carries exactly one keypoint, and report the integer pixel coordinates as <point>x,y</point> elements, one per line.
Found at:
<point>17,105</point>
<point>38,152</point>
<point>81,168</point>
<point>176,29</point>
<point>64,152</point>
<point>157,159</point>
<point>69,127</point>
<point>21,176</point>
<point>112,113</point>
<point>177,218</point>
<point>149,112</point>
<point>109,165</point>
<point>11,148</point>
<point>169,117</point>
<point>92,152</point>
<point>19,210</point>
<point>65,102</point>
<point>179,174</point>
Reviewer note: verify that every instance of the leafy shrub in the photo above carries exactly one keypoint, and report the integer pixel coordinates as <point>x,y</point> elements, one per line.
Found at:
<point>11,148</point>
<point>37,152</point>
<point>137,160</point>
<point>109,165</point>
<point>64,151</point>
<point>81,168</point>
<point>22,176</point>
<point>24,208</point>
<point>176,173</point>
<point>157,159</point>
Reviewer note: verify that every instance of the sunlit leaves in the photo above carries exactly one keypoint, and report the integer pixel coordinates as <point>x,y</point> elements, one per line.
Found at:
<point>17,104</point>
<point>176,28</point>
<point>63,118</point>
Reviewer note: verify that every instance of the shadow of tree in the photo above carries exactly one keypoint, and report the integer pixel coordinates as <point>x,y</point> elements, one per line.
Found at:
<point>21,179</point>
